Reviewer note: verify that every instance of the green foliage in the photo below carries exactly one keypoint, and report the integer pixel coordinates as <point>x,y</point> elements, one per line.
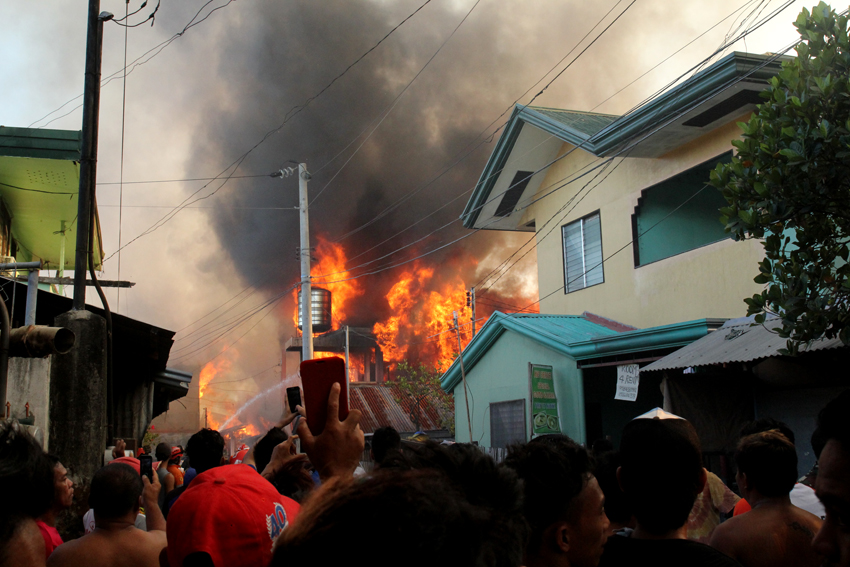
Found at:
<point>415,386</point>
<point>789,184</point>
<point>151,439</point>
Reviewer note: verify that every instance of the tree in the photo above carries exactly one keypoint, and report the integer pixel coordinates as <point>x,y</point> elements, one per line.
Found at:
<point>789,184</point>
<point>415,387</point>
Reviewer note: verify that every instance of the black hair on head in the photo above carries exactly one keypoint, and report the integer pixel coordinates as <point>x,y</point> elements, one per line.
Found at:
<point>769,460</point>
<point>163,452</point>
<point>661,472</point>
<point>205,449</point>
<point>26,473</point>
<point>384,440</point>
<point>264,447</point>
<point>115,491</point>
<point>554,470</point>
<point>766,424</point>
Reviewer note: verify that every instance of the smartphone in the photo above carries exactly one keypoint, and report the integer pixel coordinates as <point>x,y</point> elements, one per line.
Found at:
<point>146,466</point>
<point>318,376</point>
<point>293,396</point>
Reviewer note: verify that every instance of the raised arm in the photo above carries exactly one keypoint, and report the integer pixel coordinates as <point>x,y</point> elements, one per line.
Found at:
<point>337,450</point>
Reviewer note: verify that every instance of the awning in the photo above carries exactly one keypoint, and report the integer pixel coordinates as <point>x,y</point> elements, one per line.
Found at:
<point>39,185</point>
<point>738,340</point>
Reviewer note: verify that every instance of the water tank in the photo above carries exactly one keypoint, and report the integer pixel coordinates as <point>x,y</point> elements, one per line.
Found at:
<point>320,310</point>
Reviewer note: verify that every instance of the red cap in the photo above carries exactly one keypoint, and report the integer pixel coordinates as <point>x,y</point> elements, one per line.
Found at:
<point>231,513</point>
<point>176,452</point>
<point>132,461</point>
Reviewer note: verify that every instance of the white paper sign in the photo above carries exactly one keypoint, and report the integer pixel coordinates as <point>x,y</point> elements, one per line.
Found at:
<point>628,380</point>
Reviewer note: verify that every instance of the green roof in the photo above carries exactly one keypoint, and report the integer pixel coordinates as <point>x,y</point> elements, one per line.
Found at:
<point>587,123</point>
<point>607,135</point>
<point>575,337</point>
<point>39,184</point>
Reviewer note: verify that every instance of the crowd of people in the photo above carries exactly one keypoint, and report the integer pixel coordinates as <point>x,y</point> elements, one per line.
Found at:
<point>550,502</point>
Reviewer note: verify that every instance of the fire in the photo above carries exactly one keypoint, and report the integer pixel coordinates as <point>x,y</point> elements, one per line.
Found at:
<point>248,430</point>
<point>422,324</point>
<point>209,372</point>
<point>329,273</point>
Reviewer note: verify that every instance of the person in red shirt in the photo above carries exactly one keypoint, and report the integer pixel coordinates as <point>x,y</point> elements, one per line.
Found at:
<point>63,497</point>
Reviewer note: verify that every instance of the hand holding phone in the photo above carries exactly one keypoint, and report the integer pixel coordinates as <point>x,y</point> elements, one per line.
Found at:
<point>318,376</point>
<point>146,466</point>
<point>337,450</point>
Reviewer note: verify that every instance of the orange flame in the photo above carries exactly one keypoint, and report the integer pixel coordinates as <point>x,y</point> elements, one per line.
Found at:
<point>423,319</point>
<point>208,373</point>
<point>329,272</point>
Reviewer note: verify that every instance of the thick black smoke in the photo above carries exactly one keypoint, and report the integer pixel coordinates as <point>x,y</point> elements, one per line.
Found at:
<point>283,53</point>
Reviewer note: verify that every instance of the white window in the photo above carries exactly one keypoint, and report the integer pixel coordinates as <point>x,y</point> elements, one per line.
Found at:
<point>507,423</point>
<point>582,253</point>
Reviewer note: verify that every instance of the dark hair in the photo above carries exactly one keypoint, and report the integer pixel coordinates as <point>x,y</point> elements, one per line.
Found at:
<point>264,447</point>
<point>616,506</point>
<point>26,473</point>
<point>661,463</point>
<point>26,482</point>
<point>554,470</point>
<point>601,446</point>
<point>769,460</point>
<point>434,519</point>
<point>834,421</point>
<point>294,479</point>
<point>205,449</point>
<point>384,440</point>
<point>115,491</point>
<point>163,452</point>
<point>766,424</point>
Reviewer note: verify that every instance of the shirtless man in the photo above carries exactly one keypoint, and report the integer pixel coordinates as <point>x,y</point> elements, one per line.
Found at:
<point>116,493</point>
<point>775,533</point>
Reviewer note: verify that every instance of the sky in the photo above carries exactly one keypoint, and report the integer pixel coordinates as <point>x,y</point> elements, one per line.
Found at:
<point>259,84</point>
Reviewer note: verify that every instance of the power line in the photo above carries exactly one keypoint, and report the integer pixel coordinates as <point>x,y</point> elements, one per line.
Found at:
<point>294,111</point>
<point>395,101</point>
<point>134,64</point>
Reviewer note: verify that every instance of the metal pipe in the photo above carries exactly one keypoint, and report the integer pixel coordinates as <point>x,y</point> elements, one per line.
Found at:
<point>21,266</point>
<point>32,297</point>
<point>5,332</point>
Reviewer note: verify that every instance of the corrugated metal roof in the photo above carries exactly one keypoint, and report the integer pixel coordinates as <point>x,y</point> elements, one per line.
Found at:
<point>380,408</point>
<point>739,340</point>
<point>568,328</point>
<point>588,123</point>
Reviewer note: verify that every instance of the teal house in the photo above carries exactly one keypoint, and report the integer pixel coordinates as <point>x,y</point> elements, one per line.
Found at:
<point>583,353</point>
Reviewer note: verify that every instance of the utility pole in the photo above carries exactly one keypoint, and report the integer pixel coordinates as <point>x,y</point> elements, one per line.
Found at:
<point>88,153</point>
<point>463,377</point>
<point>306,287</point>
<point>472,304</point>
<point>347,370</point>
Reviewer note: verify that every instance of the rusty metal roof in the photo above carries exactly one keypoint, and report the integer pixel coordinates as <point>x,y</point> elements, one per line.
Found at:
<point>380,406</point>
<point>738,340</point>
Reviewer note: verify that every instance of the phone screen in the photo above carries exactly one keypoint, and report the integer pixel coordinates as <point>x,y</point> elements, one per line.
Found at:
<point>318,376</point>
<point>146,466</point>
<point>293,396</point>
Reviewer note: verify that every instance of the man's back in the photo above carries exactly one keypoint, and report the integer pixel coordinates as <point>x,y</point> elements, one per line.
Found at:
<point>119,547</point>
<point>623,551</point>
<point>770,536</point>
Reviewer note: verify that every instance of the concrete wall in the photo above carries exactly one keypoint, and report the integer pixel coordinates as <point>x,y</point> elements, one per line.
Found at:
<point>502,375</point>
<point>710,281</point>
<point>29,382</point>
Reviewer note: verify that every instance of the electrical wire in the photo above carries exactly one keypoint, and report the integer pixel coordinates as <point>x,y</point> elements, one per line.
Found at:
<point>395,101</point>
<point>294,111</point>
<point>135,64</point>
<point>432,251</point>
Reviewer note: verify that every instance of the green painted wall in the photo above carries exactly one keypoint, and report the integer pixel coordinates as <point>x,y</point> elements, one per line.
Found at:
<point>502,375</point>
<point>679,214</point>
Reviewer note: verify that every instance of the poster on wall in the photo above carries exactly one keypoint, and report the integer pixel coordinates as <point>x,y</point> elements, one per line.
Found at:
<point>628,381</point>
<point>544,404</point>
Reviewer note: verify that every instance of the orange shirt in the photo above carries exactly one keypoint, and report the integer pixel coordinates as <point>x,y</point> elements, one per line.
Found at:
<point>178,475</point>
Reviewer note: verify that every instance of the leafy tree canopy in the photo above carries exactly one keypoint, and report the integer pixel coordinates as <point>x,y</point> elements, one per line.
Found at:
<point>789,184</point>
